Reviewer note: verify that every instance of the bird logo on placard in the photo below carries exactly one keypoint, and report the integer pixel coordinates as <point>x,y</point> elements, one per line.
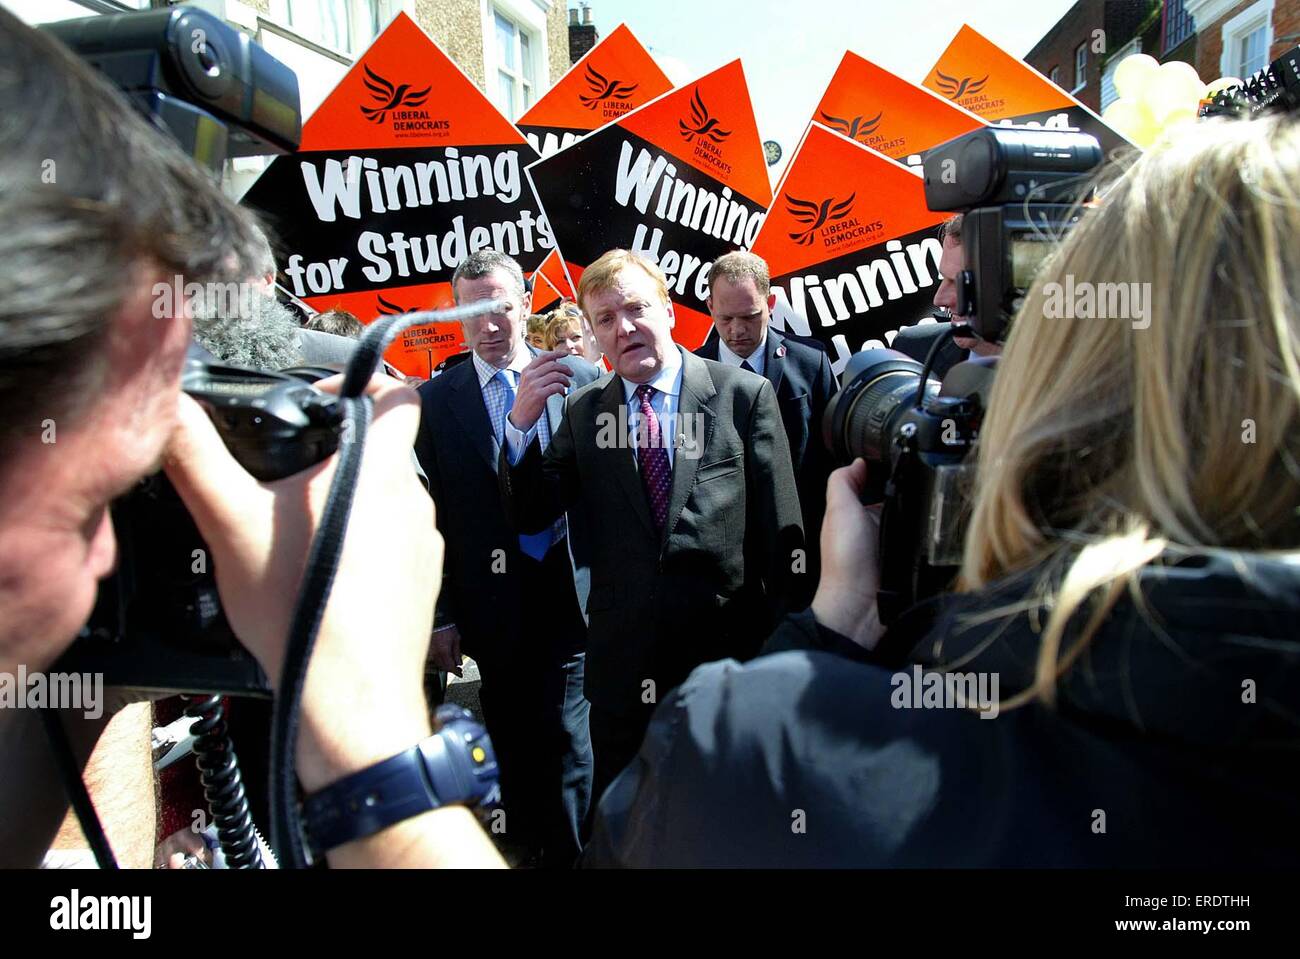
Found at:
<point>389,308</point>
<point>816,215</point>
<point>701,125</point>
<point>603,89</point>
<point>390,97</point>
<point>859,128</point>
<point>955,89</point>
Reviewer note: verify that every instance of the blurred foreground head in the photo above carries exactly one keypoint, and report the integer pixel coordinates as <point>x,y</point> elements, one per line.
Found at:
<point>97,207</point>
<point>1177,422</point>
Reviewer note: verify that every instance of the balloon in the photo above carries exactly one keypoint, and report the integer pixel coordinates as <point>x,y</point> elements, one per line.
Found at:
<point>1221,84</point>
<point>1133,73</point>
<point>1131,119</point>
<point>1175,81</point>
<point>1166,103</point>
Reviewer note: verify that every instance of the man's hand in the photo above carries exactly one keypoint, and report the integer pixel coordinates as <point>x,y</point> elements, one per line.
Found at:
<point>545,377</point>
<point>846,594</point>
<point>363,700</point>
<point>444,650</point>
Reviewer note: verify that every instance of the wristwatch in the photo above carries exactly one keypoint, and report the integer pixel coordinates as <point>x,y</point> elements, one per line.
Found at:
<point>454,766</point>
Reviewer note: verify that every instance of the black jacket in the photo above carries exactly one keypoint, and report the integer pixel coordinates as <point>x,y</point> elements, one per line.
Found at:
<point>458,451</point>
<point>662,604</point>
<point>804,384</point>
<point>915,341</point>
<point>1175,742</point>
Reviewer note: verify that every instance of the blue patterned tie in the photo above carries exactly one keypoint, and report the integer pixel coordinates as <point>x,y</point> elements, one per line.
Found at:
<point>532,544</point>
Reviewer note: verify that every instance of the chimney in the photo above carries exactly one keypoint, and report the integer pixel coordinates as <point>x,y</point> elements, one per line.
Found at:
<point>582,32</point>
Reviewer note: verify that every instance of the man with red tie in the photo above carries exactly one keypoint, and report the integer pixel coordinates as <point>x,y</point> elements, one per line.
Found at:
<point>676,472</point>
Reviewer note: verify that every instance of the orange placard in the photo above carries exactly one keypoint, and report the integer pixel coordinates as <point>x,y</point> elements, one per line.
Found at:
<point>681,180</point>
<point>977,74</point>
<point>869,104</point>
<point>404,92</point>
<point>405,170</point>
<point>851,248</point>
<point>615,76</point>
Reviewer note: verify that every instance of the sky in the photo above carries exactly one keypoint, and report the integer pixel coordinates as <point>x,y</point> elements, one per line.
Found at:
<point>790,48</point>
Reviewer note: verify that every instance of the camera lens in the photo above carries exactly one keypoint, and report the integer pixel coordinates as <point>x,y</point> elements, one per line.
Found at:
<point>879,386</point>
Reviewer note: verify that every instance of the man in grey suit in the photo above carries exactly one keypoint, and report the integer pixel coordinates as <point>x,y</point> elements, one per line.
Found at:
<point>677,472</point>
<point>514,602</point>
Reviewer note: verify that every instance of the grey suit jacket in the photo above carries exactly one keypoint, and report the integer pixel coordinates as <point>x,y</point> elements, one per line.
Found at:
<point>714,582</point>
<point>458,450</point>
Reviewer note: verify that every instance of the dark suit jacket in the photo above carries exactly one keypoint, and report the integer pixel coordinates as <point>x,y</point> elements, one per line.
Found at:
<point>804,384</point>
<point>661,605</point>
<point>458,451</point>
<point>915,341</point>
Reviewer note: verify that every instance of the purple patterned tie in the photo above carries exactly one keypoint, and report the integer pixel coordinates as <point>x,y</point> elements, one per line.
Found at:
<point>652,457</point>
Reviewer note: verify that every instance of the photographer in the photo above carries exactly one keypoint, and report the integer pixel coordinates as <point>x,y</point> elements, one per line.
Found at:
<point>98,207</point>
<point>1129,591</point>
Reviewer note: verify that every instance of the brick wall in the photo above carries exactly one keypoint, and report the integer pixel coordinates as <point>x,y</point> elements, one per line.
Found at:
<point>1286,22</point>
<point>581,39</point>
<point>1057,47</point>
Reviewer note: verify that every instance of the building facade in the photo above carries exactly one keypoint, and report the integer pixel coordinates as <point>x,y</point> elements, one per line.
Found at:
<point>1218,37</point>
<point>514,50</point>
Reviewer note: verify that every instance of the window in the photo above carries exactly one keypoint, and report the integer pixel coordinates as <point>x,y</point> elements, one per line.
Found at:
<point>1246,40</point>
<point>1055,76</point>
<point>516,80</point>
<point>343,25</point>
<point>1252,55</point>
<point>1080,66</point>
<point>1178,24</point>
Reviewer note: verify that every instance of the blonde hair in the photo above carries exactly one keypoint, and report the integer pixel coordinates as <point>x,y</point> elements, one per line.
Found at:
<point>1179,435</point>
<point>560,319</point>
<point>739,265</point>
<point>603,273</point>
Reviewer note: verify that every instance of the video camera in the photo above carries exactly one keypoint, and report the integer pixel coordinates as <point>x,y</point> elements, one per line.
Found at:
<point>1019,190</point>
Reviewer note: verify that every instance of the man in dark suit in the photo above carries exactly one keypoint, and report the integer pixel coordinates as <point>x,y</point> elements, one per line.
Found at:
<point>740,302</point>
<point>679,471</point>
<point>915,341</point>
<point>514,602</point>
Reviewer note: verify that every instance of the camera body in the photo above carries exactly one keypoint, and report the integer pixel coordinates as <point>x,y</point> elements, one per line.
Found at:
<point>1019,190</point>
<point>214,90</point>
<point>158,622</point>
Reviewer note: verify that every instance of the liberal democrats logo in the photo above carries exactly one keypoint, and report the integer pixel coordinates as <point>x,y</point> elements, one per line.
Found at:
<point>388,97</point>
<point>389,308</point>
<point>603,89</point>
<point>859,128</point>
<point>955,89</point>
<point>701,125</point>
<point>816,215</point>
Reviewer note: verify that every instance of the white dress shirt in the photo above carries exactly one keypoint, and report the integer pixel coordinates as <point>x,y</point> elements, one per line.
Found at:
<point>665,402</point>
<point>757,360</point>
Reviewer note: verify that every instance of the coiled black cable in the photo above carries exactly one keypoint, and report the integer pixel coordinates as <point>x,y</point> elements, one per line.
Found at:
<point>223,785</point>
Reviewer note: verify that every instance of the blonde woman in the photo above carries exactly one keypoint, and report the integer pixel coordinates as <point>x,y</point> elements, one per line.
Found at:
<point>1118,683</point>
<point>564,331</point>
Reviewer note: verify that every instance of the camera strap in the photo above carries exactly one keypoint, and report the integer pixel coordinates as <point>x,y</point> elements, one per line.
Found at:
<point>322,564</point>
